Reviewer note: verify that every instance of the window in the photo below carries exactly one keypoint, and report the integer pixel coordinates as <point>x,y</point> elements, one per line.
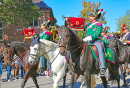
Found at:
<point>1,32</point>
<point>34,23</point>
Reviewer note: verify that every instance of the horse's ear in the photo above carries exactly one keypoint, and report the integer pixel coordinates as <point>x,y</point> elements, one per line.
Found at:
<point>66,23</point>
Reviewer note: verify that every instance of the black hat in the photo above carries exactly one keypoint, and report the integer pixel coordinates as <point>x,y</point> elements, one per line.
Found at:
<point>96,13</point>
<point>106,29</point>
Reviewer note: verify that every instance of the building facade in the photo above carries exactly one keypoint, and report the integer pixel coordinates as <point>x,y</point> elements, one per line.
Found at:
<point>9,33</point>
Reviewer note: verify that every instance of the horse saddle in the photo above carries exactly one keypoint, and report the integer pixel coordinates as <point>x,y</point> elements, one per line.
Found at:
<point>109,53</point>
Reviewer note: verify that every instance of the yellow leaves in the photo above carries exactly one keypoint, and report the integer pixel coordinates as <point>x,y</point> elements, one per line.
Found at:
<point>90,7</point>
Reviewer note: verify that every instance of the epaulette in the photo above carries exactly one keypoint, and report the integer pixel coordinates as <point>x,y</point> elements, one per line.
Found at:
<point>99,24</point>
<point>48,33</point>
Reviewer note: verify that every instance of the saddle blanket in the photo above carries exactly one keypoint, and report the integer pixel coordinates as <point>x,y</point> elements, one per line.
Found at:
<point>109,54</point>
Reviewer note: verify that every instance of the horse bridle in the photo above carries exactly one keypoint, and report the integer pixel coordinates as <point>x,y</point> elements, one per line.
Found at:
<point>39,49</point>
<point>61,45</point>
<point>65,44</point>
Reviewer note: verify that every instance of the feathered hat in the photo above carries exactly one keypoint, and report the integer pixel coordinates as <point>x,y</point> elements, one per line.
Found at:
<point>124,27</point>
<point>106,29</point>
<point>45,23</point>
<point>96,13</point>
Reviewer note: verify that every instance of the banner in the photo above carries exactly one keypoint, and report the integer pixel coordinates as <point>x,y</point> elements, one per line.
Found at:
<point>29,32</point>
<point>76,23</point>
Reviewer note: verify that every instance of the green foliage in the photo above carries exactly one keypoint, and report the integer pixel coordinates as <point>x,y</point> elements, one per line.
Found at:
<point>13,11</point>
<point>82,34</point>
<point>88,8</point>
<point>123,20</point>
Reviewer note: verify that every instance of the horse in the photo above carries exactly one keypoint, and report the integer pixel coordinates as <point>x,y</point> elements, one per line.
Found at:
<point>22,51</point>
<point>123,54</point>
<point>50,50</point>
<point>82,61</point>
<point>7,56</point>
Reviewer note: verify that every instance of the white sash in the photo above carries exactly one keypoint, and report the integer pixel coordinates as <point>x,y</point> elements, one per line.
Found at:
<point>91,25</point>
<point>124,37</point>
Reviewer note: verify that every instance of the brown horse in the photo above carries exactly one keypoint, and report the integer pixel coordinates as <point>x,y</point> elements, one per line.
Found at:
<point>82,61</point>
<point>22,51</point>
<point>7,56</point>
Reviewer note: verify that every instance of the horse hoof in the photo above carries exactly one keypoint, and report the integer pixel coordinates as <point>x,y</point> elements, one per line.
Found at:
<point>124,85</point>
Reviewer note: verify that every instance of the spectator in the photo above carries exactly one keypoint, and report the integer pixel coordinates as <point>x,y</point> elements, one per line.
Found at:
<point>1,58</point>
<point>22,70</point>
<point>16,62</point>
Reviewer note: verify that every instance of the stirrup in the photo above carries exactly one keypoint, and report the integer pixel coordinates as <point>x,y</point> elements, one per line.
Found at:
<point>102,72</point>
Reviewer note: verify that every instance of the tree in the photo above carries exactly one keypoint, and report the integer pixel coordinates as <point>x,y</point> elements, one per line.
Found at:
<point>13,11</point>
<point>88,8</point>
<point>123,20</point>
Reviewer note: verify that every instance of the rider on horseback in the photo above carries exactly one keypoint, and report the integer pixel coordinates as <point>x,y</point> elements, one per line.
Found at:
<point>94,30</point>
<point>105,37</point>
<point>45,34</point>
<point>125,37</point>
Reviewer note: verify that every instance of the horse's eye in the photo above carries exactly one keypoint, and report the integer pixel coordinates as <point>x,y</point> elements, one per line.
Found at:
<point>35,49</point>
<point>67,36</point>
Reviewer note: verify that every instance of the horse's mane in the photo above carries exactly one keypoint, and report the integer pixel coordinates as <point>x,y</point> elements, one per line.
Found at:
<point>74,34</point>
<point>18,43</point>
<point>119,41</point>
<point>48,43</point>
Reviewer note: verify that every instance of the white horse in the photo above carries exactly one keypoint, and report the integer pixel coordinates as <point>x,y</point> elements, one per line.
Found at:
<point>50,50</point>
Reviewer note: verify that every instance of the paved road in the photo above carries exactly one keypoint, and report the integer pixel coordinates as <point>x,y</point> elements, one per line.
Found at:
<point>45,82</point>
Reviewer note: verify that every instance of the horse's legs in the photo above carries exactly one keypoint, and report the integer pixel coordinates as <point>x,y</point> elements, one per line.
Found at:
<point>82,81</point>
<point>114,75</point>
<point>124,74</point>
<point>64,80</point>
<point>88,78</point>
<point>34,79</point>
<point>74,78</point>
<point>27,74</point>
<point>104,81</point>
<point>121,68</point>
<point>57,78</point>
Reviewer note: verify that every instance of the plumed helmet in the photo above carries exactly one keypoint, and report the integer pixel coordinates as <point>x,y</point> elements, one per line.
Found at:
<point>45,23</point>
<point>106,29</point>
<point>96,13</point>
<point>124,27</point>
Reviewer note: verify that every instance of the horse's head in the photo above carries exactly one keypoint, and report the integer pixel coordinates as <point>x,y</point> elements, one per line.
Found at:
<point>7,56</point>
<point>64,41</point>
<point>34,51</point>
<point>114,43</point>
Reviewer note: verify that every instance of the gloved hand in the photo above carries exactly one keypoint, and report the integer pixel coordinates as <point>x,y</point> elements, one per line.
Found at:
<point>89,38</point>
<point>124,43</point>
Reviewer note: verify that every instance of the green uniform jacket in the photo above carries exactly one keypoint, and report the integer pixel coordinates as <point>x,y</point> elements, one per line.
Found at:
<point>45,35</point>
<point>95,31</point>
<point>105,40</point>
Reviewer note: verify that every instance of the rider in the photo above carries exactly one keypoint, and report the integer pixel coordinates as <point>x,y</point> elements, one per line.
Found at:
<point>45,34</point>
<point>125,37</point>
<point>94,29</point>
<point>105,37</point>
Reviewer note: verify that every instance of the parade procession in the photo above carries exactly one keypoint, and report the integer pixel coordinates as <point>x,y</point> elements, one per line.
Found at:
<point>64,44</point>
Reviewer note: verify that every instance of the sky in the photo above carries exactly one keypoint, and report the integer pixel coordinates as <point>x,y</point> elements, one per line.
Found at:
<point>114,9</point>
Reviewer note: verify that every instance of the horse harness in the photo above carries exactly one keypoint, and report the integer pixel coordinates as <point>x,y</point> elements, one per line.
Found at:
<point>44,53</point>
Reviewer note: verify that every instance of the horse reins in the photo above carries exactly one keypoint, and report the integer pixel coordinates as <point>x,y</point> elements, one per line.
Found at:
<point>44,53</point>
<point>80,45</point>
